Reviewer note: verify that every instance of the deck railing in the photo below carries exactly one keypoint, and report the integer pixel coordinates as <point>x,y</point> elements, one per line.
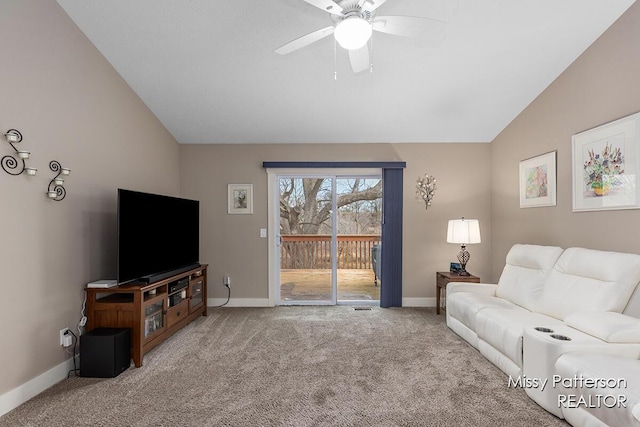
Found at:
<point>314,251</point>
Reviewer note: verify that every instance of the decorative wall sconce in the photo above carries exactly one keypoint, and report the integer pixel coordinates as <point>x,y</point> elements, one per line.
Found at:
<point>56,191</point>
<point>426,189</point>
<point>10,162</point>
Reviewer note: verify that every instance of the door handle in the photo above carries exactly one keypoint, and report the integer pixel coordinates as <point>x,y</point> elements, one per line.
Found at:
<point>279,243</point>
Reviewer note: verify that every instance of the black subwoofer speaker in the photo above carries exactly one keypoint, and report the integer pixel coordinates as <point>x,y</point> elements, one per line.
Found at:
<point>105,352</point>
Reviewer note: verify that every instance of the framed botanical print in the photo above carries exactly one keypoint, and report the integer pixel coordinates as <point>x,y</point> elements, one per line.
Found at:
<point>606,166</point>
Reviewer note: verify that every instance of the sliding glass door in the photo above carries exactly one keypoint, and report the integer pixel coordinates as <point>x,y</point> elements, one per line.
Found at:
<point>306,234</point>
<point>328,232</point>
<point>358,230</point>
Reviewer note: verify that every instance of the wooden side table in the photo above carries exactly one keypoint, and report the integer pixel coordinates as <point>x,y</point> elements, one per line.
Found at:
<point>443,278</point>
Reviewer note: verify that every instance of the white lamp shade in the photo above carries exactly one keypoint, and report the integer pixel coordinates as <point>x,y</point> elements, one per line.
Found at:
<point>463,231</point>
<point>353,33</point>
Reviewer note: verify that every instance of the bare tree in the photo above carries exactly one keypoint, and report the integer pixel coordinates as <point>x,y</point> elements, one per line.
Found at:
<point>361,216</point>
<point>305,208</point>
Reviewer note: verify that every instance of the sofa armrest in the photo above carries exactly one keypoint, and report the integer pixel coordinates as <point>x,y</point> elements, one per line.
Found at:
<point>608,326</point>
<point>476,288</point>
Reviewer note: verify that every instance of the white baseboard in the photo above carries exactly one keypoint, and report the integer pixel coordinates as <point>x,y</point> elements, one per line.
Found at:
<point>418,302</point>
<point>264,302</point>
<point>19,395</point>
<point>238,302</point>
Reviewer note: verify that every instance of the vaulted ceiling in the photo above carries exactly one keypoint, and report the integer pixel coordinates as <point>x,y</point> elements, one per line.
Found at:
<point>207,68</point>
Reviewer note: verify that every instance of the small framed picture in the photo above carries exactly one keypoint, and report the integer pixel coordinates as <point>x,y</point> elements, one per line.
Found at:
<point>538,181</point>
<point>455,267</point>
<point>240,199</point>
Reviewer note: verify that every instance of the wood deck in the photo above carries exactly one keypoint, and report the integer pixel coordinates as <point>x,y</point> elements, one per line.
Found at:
<point>315,285</point>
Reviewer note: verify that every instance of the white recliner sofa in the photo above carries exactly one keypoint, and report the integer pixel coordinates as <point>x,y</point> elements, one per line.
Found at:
<point>547,303</point>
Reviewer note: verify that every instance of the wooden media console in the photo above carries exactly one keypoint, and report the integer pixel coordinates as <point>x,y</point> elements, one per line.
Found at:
<point>152,311</point>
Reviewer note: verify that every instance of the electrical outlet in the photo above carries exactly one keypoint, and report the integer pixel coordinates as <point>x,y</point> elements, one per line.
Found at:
<point>226,281</point>
<point>65,338</point>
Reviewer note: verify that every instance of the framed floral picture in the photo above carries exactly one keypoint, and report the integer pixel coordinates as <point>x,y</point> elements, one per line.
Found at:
<point>605,166</point>
<point>538,181</point>
<point>240,199</point>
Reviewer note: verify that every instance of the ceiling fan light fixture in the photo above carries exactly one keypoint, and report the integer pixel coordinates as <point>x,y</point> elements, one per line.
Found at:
<point>353,33</point>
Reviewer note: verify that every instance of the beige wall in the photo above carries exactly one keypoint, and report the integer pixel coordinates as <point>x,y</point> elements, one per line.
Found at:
<point>231,243</point>
<point>600,86</point>
<point>71,106</point>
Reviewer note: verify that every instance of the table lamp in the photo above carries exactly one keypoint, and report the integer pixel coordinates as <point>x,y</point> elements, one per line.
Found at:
<point>463,232</point>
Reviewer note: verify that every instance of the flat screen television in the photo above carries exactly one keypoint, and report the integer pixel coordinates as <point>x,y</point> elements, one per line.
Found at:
<point>158,236</point>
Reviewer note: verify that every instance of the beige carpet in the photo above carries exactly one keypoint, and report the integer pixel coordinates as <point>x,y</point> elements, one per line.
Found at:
<point>297,366</point>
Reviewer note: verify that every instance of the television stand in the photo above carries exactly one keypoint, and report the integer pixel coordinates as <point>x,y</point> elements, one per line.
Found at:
<point>153,311</point>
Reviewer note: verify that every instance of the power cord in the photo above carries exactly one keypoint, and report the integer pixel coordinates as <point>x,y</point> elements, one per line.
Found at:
<point>228,297</point>
<point>83,318</point>
<point>75,344</point>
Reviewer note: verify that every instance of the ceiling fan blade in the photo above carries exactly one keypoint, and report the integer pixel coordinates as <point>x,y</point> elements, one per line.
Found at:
<point>327,6</point>
<point>305,40</point>
<point>359,59</point>
<point>371,5</point>
<point>409,26</point>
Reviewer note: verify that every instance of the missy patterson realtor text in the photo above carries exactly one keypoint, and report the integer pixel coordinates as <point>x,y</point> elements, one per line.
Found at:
<point>607,395</point>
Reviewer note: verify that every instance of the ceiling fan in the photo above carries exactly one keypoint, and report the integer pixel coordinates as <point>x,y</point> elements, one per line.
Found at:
<point>353,24</point>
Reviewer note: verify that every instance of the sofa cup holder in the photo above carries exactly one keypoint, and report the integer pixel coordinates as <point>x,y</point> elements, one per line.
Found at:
<point>560,337</point>
<point>545,330</point>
